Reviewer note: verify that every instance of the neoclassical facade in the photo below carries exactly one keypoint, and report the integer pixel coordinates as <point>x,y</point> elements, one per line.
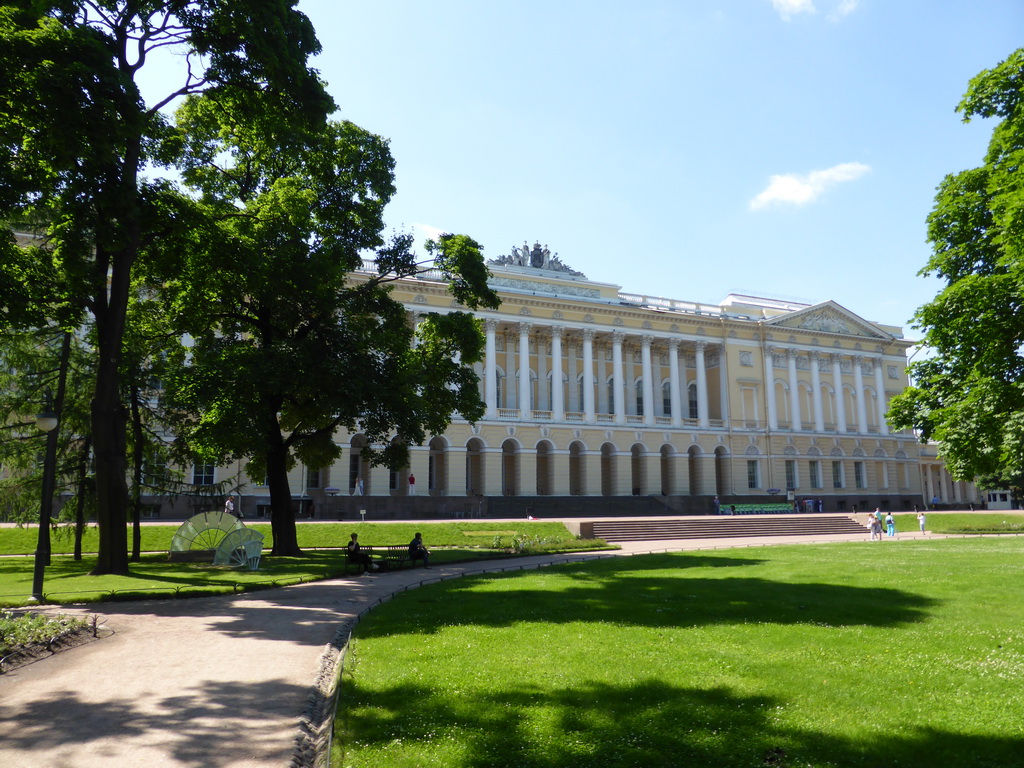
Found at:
<point>594,392</point>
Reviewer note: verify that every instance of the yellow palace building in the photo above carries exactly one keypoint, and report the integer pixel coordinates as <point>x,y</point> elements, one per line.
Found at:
<point>601,401</point>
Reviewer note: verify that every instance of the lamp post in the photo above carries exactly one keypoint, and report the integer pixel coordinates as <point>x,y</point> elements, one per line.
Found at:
<point>46,422</point>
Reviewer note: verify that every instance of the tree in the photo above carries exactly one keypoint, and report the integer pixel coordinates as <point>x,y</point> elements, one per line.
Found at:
<point>969,396</point>
<point>285,346</point>
<point>76,134</point>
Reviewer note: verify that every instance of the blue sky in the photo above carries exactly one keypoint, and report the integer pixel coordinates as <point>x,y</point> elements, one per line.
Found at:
<point>685,148</point>
<point>679,148</point>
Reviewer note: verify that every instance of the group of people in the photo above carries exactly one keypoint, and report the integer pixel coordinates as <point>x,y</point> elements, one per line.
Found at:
<point>874,524</point>
<point>417,551</point>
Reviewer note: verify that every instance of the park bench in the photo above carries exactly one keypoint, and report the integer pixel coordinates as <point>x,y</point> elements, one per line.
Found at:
<point>389,557</point>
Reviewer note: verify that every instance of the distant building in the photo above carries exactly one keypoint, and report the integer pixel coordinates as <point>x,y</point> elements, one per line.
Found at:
<point>636,403</point>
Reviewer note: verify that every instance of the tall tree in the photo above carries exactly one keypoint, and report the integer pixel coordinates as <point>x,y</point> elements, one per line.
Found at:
<point>76,134</point>
<point>285,346</point>
<point>969,396</point>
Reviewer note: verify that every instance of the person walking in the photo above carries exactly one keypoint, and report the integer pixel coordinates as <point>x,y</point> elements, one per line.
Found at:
<point>875,527</point>
<point>229,507</point>
<point>412,484</point>
<point>920,521</point>
<point>890,525</point>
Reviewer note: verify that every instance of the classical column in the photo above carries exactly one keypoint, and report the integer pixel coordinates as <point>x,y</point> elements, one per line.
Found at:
<point>419,467</point>
<point>543,403</point>
<point>491,369</point>
<point>928,483</point>
<point>618,384</point>
<point>794,392</point>
<point>630,379</point>
<point>702,386</point>
<point>858,384</point>
<point>510,372</point>
<point>819,411</point>
<point>378,483</point>
<point>837,385</point>
<point>883,428</point>
<point>769,387</point>
<point>557,390</point>
<point>490,461</point>
<point>723,385</point>
<point>673,373</point>
<point>589,415</point>
<point>647,372</point>
<point>525,408</point>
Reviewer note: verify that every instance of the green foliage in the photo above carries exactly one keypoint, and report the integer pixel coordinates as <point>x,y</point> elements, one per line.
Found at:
<point>30,362</point>
<point>76,135</point>
<point>969,396</point>
<point>27,629</point>
<point>834,656</point>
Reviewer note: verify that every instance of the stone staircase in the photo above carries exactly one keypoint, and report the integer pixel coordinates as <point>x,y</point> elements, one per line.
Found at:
<point>720,527</point>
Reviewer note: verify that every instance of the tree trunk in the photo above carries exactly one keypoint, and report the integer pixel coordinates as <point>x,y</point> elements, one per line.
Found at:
<point>109,421</point>
<point>83,469</point>
<point>136,477</point>
<point>282,516</point>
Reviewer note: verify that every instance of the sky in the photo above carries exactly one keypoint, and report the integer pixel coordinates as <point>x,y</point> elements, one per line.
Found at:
<point>685,149</point>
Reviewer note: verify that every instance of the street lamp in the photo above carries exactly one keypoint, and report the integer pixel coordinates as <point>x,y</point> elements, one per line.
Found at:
<point>46,421</point>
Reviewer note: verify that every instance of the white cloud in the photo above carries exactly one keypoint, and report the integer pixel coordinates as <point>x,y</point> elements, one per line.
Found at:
<point>845,8</point>
<point>421,232</point>
<point>794,189</point>
<point>787,9</point>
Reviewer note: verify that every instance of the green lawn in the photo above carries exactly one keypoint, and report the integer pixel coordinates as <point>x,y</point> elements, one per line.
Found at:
<point>855,654</point>
<point>67,580</point>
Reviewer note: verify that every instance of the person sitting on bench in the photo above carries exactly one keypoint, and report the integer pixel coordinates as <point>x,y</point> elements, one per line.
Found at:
<point>417,551</point>
<point>356,555</point>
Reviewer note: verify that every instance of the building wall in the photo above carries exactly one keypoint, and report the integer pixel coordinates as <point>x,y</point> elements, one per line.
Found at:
<point>632,395</point>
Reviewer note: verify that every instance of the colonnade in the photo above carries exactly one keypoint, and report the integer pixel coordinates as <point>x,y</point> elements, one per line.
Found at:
<point>688,399</point>
<point>938,485</point>
<point>585,407</point>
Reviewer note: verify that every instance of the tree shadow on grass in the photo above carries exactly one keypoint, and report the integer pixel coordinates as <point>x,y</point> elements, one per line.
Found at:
<point>632,593</point>
<point>647,723</point>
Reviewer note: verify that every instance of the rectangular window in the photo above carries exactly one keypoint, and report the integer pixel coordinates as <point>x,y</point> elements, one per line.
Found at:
<point>837,474</point>
<point>791,479</point>
<point>815,471</point>
<point>312,478</point>
<point>203,474</point>
<point>753,479</point>
<point>858,474</point>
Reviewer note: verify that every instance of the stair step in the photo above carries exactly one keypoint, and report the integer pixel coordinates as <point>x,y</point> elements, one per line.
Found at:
<point>711,528</point>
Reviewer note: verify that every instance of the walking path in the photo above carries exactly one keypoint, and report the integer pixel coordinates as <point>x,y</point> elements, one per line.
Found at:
<point>218,682</point>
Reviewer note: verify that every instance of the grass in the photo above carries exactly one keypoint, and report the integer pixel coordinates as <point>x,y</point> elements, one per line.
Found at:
<point>854,654</point>
<point>157,538</point>
<point>67,580</point>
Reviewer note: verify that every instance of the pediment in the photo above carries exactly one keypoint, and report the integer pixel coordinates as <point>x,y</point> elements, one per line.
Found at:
<point>830,317</point>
